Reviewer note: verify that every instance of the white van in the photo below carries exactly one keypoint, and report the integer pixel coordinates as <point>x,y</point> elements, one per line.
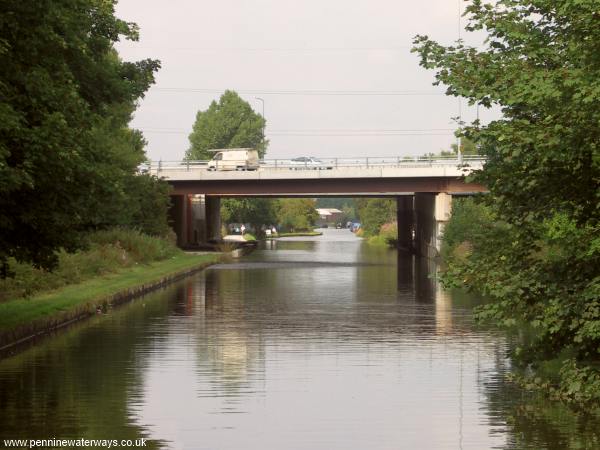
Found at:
<point>234,159</point>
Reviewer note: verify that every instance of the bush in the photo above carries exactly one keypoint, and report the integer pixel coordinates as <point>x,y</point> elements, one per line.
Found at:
<point>388,235</point>
<point>374,213</point>
<point>469,220</point>
<point>107,251</point>
<point>378,241</point>
<point>389,232</point>
<point>138,246</point>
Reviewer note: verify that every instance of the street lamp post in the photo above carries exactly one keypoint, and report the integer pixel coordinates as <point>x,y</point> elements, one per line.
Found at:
<point>263,115</point>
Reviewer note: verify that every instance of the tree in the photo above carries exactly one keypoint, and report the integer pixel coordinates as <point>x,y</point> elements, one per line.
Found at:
<point>231,123</point>
<point>66,101</point>
<point>296,214</point>
<point>374,212</point>
<point>255,211</point>
<point>467,147</point>
<point>539,258</point>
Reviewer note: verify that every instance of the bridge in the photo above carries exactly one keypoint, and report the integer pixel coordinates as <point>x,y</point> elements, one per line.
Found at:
<point>423,187</point>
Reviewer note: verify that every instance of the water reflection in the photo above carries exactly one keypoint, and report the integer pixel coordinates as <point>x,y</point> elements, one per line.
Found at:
<point>318,346</point>
<point>324,343</point>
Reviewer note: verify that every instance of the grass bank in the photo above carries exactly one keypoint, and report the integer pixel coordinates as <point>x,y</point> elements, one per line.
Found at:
<point>387,236</point>
<point>300,233</point>
<point>23,318</point>
<point>116,267</point>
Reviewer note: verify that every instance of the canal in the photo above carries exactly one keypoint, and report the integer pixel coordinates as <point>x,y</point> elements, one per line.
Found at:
<point>308,343</point>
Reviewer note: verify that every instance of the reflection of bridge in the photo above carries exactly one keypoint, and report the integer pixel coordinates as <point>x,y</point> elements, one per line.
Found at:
<point>423,187</point>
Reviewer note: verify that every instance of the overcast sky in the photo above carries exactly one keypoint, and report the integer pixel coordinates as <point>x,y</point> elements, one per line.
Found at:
<point>337,76</point>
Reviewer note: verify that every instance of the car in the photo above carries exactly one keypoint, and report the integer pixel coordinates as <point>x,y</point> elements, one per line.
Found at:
<point>308,162</point>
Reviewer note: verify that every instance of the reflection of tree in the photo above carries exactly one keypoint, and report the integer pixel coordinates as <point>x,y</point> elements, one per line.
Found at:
<point>229,353</point>
<point>376,273</point>
<point>81,382</point>
<point>295,244</point>
<point>534,422</point>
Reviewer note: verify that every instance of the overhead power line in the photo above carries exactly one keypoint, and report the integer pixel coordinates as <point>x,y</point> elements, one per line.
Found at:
<point>358,134</point>
<point>301,92</point>
<point>330,132</point>
<point>398,48</point>
<point>319,130</point>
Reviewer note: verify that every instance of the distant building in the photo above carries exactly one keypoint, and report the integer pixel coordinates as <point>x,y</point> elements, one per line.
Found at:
<point>329,216</point>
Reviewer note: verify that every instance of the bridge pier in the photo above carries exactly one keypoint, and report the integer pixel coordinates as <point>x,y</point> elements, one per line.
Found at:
<point>179,216</point>
<point>195,219</point>
<point>405,218</point>
<point>432,212</point>
<point>198,219</point>
<point>213,219</point>
<point>443,210</point>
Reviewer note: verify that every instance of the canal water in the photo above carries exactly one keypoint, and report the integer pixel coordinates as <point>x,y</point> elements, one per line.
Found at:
<point>308,343</point>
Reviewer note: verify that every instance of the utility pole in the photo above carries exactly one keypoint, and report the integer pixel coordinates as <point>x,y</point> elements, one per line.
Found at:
<point>263,115</point>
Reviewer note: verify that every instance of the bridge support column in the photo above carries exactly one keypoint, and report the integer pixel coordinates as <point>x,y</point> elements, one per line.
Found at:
<point>213,219</point>
<point>425,224</point>
<point>432,214</point>
<point>198,207</point>
<point>405,218</point>
<point>180,218</point>
<point>189,215</point>
<point>443,210</point>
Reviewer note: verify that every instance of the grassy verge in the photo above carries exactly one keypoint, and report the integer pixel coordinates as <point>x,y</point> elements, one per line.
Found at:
<point>24,317</point>
<point>104,252</point>
<point>117,265</point>
<point>17,312</point>
<point>387,237</point>
<point>301,233</point>
<point>377,241</point>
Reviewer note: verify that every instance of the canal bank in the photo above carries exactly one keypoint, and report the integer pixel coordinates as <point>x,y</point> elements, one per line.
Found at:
<point>25,320</point>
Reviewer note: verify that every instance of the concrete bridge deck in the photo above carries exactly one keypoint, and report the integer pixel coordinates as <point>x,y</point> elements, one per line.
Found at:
<point>368,177</point>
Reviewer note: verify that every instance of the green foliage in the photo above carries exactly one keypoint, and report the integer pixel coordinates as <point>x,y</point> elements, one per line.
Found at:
<point>389,232</point>
<point>387,236</point>
<point>534,422</point>
<point>249,237</point>
<point>296,214</point>
<point>467,147</point>
<point>470,221</point>
<point>535,252</point>
<point>373,213</point>
<point>107,251</point>
<point>66,99</point>
<point>571,382</point>
<point>300,233</point>
<point>341,203</point>
<point>255,211</point>
<point>20,318</point>
<point>377,241</point>
<point>140,247</point>
<point>231,123</point>
<point>146,206</point>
